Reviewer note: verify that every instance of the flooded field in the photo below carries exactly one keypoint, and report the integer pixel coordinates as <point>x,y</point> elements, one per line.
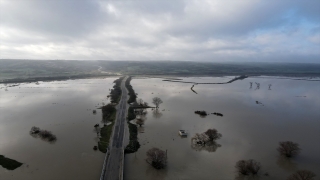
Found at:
<point>255,119</point>
<point>66,109</point>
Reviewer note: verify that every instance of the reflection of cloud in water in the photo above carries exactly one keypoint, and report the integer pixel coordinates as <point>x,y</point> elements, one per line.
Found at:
<point>210,146</point>
<point>286,164</point>
<point>246,126</point>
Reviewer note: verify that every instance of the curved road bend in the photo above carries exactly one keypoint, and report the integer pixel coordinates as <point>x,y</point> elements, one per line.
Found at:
<point>114,165</point>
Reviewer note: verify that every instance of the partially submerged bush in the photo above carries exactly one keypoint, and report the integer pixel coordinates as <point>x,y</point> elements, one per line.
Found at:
<point>157,158</point>
<point>201,113</point>
<point>213,134</point>
<point>302,175</point>
<point>246,167</point>
<point>43,134</point>
<point>217,114</point>
<point>209,136</point>
<point>132,147</point>
<point>288,148</point>
<point>34,130</point>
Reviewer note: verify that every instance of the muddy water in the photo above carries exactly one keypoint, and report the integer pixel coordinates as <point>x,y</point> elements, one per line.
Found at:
<point>288,111</point>
<point>63,107</point>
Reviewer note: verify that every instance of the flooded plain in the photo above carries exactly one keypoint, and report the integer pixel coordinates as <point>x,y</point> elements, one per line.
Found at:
<point>255,119</point>
<point>66,109</point>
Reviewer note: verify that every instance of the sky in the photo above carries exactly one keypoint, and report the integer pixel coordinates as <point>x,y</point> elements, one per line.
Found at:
<point>148,30</point>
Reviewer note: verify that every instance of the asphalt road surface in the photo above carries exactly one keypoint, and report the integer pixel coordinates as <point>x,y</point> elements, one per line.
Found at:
<point>114,165</point>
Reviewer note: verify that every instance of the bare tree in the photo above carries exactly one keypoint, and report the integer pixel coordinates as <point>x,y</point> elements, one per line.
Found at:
<point>209,136</point>
<point>245,167</point>
<point>140,101</point>
<point>288,148</point>
<point>145,104</point>
<point>213,134</point>
<point>200,139</point>
<point>157,158</point>
<point>242,167</point>
<point>302,175</point>
<point>34,130</point>
<point>253,166</point>
<point>156,101</point>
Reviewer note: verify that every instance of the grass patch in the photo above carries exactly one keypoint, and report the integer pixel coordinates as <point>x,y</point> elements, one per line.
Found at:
<point>103,143</point>
<point>109,115</point>
<point>132,94</point>
<point>8,163</point>
<point>116,91</point>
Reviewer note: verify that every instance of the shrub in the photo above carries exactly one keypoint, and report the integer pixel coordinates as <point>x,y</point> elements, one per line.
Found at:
<point>288,148</point>
<point>157,158</point>
<point>245,167</point>
<point>302,175</point>
<point>201,113</point>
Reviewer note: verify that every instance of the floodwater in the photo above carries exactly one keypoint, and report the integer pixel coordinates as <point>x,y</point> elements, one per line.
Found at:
<point>66,109</point>
<point>288,111</point>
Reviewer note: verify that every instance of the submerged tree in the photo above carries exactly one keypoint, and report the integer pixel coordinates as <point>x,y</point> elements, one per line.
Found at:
<point>213,134</point>
<point>302,175</point>
<point>288,148</point>
<point>209,136</point>
<point>157,158</point>
<point>206,140</point>
<point>157,101</point>
<point>246,167</point>
<point>140,102</point>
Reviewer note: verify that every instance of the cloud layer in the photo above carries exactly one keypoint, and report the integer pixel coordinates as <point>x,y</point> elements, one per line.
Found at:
<point>193,30</point>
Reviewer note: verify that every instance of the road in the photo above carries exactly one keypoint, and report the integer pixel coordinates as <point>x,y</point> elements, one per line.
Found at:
<point>114,164</point>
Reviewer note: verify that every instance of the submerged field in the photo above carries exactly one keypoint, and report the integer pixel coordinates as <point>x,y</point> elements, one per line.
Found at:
<point>254,121</point>
<point>66,109</point>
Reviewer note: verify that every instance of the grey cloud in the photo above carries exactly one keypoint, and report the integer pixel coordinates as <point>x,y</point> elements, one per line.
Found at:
<point>52,18</point>
<point>205,30</point>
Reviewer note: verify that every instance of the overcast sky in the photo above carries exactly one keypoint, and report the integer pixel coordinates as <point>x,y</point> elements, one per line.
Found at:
<point>193,30</point>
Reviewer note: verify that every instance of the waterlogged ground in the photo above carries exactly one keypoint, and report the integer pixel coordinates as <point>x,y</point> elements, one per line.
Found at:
<point>289,110</point>
<point>63,107</point>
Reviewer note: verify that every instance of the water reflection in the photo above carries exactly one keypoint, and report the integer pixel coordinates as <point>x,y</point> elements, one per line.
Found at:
<point>66,109</point>
<point>156,174</point>
<point>286,164</point>
<point>156,113</point>
<point>250,131</point>
<point>209,146</point>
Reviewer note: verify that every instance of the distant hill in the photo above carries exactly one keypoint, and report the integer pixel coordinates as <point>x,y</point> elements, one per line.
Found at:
<point>24,70</point>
